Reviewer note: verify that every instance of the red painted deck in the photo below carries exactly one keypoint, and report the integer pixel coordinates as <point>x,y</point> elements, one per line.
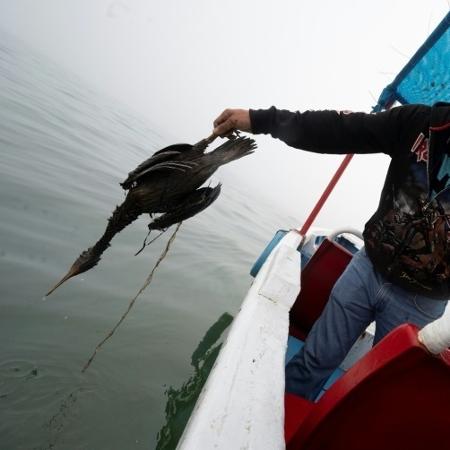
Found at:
<point>396,397</point>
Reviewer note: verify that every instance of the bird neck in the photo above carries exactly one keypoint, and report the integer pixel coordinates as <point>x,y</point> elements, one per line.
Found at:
<point>122,216</point>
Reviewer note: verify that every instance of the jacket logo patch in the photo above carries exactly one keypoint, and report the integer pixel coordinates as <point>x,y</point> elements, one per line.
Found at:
<point>420,148</point>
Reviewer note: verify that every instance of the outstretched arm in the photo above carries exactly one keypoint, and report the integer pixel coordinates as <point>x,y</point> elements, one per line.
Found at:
<point>323,131</point>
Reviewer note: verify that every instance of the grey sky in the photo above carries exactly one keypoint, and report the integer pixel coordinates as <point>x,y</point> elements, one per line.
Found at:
<point>179,63</point>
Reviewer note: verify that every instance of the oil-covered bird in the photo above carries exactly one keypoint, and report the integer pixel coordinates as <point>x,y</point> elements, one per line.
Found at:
<point>168,183</point>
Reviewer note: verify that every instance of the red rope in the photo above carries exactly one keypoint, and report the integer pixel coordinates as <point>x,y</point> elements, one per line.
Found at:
<point>325,195</point>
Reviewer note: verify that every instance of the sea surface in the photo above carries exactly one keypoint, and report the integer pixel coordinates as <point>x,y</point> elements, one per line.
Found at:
<point>64,148</point>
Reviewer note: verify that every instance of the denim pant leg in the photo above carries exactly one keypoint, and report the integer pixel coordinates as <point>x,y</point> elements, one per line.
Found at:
<point>347,314</point>
<point>396,306</point>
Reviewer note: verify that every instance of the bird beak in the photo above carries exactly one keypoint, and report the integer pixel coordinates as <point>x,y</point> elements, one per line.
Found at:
<point>71,273</point>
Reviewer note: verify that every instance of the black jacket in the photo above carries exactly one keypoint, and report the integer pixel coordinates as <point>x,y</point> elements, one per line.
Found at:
<point>408,237</point>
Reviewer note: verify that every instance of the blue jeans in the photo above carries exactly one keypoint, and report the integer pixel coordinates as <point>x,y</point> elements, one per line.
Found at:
<point>361,295</point>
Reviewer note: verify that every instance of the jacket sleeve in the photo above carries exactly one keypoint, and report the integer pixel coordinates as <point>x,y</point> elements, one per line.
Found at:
<point>332,131</point>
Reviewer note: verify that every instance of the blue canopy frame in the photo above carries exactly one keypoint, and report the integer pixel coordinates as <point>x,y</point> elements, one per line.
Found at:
<point>426,77</point>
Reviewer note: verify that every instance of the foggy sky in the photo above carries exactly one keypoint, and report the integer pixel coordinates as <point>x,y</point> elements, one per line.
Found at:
<point>180,63</point>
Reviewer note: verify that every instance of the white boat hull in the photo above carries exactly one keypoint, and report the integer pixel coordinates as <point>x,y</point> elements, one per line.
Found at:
<point>242,403</point>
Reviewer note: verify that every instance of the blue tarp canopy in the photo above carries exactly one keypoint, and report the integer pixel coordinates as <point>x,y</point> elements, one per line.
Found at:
<point>426,77</point>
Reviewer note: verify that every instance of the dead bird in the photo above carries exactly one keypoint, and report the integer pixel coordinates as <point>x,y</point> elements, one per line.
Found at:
<point>167,183</point>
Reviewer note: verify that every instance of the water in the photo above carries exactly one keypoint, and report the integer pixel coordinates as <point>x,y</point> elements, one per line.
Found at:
<point>63,150</point>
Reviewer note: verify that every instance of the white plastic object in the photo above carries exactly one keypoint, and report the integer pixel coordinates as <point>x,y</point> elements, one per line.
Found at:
<point>436,335</point>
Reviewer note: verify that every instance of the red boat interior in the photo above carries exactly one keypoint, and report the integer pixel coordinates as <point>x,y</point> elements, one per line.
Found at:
<point>396,396</point>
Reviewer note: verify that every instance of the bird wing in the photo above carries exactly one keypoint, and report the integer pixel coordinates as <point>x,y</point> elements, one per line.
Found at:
<point>189,206</point>
<point>175,147</point>
<point>155,162</point>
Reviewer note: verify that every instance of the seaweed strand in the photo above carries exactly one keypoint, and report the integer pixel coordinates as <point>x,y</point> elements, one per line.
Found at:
<point>133,300</point>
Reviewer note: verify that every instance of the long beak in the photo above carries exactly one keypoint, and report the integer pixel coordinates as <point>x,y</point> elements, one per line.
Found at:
<point>71,273</point>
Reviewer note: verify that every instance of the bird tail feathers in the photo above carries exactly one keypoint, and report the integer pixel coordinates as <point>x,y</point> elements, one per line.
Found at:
<point>234,149</point>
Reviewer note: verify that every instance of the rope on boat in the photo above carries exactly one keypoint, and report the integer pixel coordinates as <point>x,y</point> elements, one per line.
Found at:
<point>133,300</point>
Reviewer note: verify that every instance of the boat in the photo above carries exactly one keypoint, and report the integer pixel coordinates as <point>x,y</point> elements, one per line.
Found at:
<point>391,395</point>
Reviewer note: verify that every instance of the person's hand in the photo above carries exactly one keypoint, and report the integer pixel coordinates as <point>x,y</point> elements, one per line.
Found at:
<point>231,120</point>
